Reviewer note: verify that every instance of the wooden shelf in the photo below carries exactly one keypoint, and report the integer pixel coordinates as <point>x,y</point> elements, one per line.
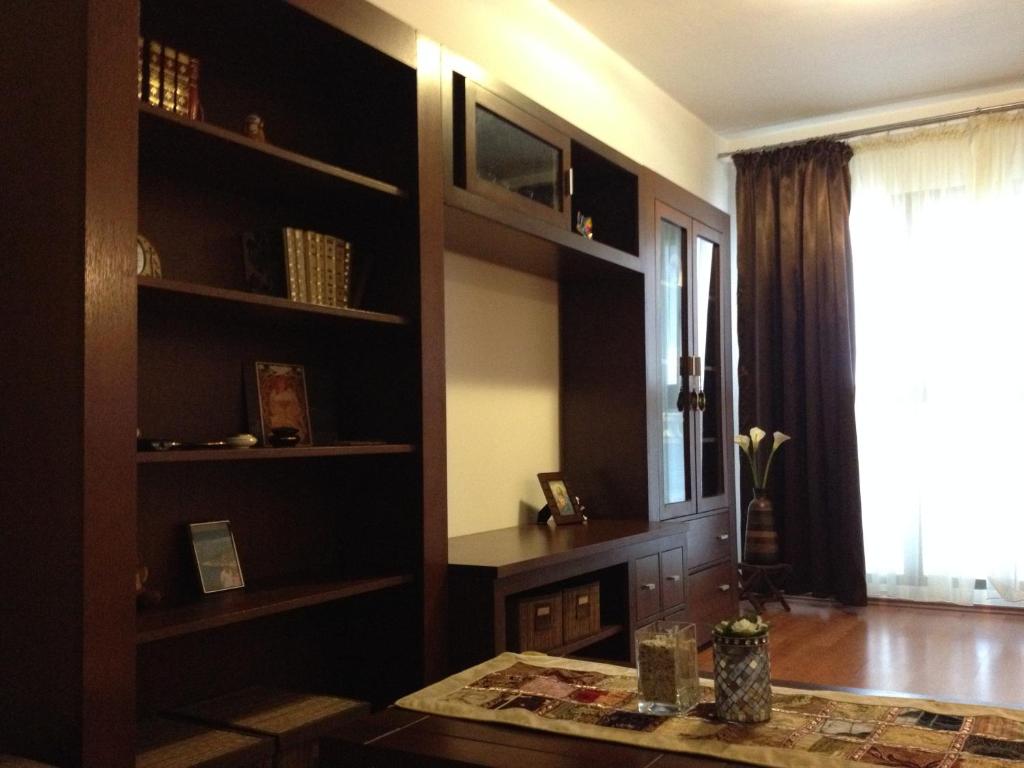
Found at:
<point>246,604</point>
<point>605,632</point>
<point>157,120</point>
<point>256,454</point>
<point>164,287</point>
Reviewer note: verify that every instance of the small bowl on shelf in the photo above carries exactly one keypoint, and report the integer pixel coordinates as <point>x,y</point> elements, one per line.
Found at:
<point>283,437</point>
<point>244,440</point>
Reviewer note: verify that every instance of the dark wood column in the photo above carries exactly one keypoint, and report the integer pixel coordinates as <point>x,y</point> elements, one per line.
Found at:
<point>67,479</point>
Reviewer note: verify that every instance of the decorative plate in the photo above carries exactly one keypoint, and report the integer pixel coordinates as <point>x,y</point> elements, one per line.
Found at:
<point>148,261</point>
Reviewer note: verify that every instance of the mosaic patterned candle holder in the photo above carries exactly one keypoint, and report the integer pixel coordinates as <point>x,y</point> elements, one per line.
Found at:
<point>666,666</point>
<point>743,687</point>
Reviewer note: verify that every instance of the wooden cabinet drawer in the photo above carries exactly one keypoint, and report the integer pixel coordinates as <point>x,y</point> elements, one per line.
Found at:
<point>713,597</point>
<point>708,539</point>
<point>673,579</point>
<point>648,593</point>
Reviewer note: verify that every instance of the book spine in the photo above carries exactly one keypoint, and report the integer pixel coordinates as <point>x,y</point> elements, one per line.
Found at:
<point>343,273</point>
<point>141,55</point>
<point>291,266</point>
<point>169,68</point>
<point>156,56</point>
<point>309,245</point>
<point>181,84</point>
<point>330,261</point>
<point>300,266</point>
<point>194,110</point>
<point>321,269</point>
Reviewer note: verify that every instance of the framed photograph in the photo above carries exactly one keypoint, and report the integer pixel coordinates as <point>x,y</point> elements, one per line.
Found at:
<point>563,505</point>
<point>278,403</point>
<point>216,557</point>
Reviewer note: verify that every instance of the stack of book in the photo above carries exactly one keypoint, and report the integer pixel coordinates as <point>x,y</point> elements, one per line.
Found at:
<point>302,265</point>
<point>168,78</point>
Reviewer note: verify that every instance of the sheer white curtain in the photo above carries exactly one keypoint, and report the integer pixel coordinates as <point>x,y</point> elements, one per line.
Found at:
<point>937,223</point>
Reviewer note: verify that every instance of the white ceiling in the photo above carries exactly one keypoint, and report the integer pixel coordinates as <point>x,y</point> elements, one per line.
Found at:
<point>746,64</point>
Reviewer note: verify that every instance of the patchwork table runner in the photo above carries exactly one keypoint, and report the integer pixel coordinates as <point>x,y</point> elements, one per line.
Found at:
<point>807,729</point>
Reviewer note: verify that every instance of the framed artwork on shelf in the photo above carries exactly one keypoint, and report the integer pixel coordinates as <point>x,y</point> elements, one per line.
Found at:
<point>278,404</point>
<point>216,557</point>
<point>563,506</point>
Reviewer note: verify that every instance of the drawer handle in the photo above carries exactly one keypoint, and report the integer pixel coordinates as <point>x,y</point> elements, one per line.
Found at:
<point>649,587</point>
<point>725,587</point>
<point>723,537</point>
<point>673,577</point>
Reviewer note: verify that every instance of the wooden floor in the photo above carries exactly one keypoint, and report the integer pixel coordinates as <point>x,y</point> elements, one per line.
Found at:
<point>951,654</point>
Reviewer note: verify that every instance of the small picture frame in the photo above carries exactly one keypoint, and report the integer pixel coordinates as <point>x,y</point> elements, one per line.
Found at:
<point>213,546</point>
<point>277,400</point>
<point>563,505</point>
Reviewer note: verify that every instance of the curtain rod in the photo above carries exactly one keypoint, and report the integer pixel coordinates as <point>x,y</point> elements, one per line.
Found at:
<point>883,128</point>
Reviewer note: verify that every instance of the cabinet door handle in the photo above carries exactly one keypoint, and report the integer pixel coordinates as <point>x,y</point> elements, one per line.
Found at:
<point>649,586</point>
<point>725,587</point>
<point>723,537</point>
<point>673,577</point>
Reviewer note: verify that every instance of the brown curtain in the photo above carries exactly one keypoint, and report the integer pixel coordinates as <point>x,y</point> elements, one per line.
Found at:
<point>796,361</point>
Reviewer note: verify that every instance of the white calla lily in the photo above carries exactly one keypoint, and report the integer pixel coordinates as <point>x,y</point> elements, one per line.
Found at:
<point>750,446</point>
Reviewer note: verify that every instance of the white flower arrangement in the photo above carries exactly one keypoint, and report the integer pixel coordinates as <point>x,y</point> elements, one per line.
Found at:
<point>745,626</point>
<point>749,445</point>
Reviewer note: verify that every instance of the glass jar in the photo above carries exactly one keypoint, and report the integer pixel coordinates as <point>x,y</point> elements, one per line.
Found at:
<point>666,666</point>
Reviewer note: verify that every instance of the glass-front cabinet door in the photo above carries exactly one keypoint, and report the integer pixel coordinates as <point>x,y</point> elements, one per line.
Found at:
<point>514,158</point>
<point>708,378</point>
<point>693,476</point>
<point>678,463</point>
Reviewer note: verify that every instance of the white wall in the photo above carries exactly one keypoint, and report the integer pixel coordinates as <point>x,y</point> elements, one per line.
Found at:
<point>501,327</point>
<point>501,347</point>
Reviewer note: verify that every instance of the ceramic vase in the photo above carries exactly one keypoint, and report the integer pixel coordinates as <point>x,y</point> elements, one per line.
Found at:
<point>760,541</point>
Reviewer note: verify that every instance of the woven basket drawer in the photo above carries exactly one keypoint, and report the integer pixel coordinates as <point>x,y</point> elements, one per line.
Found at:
<point>581,611</point>
<point>540,622</point>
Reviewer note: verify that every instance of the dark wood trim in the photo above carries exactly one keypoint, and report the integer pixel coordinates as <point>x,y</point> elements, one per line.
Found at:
<point>434,442</point>
<point>67,147</point>
<point>272,454</point>
<point>367,23</point>
<point>227,608</point>
<point>523,243</point>
<point>509,551</point>
<point>477,95</point>
<point>274,154</point>
<point>228,296</point>
<point>454,63</point>
<point>109,546</point>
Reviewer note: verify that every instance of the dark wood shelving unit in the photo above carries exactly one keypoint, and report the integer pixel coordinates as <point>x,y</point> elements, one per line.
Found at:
<point>213,142</point>
<point>221,610</point>
<point>272,454</point>
<point>568,648</point>
<point>256,302</point>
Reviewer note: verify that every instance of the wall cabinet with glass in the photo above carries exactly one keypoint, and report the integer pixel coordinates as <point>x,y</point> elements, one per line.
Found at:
<point>694,400</point>
<point>512,160</point>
